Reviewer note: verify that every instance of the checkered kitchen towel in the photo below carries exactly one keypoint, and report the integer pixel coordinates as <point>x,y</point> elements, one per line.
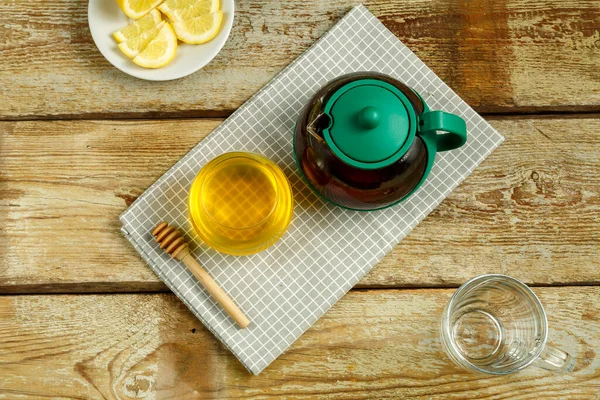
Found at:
<point>326,250</point>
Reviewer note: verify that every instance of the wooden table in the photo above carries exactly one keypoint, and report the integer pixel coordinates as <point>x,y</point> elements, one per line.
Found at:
<point>82,316</point>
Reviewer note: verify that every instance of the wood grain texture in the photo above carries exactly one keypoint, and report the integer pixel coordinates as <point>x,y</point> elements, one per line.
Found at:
<point>531,210</point>
<point>500,56</point>
<point>372,344</point>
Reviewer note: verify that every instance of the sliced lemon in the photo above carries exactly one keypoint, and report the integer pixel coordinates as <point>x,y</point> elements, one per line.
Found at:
<point>136,45</point>
<point>160,51</point>
<point>135,9</point>
<point>200,29</point>
<point>178,10</point>
<point>140,26</point>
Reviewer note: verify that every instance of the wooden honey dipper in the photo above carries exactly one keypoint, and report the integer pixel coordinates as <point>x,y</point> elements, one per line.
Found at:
<point>174,244</point>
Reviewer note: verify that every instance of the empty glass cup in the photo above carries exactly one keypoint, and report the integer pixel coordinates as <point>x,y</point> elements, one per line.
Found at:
<point>495,324</point>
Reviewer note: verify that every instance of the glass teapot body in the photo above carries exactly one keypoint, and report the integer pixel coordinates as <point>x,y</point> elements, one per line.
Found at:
<point>357,187</point>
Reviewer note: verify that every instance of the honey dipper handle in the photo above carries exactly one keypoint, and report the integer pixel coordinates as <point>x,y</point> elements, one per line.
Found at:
<point>216,292</point>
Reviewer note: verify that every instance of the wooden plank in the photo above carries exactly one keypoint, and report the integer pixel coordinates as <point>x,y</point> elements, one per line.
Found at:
<point>67,182</point>
<point>64,185</point>
<point>372,344</point>
<point>531,210</point>
<point>500,56</point>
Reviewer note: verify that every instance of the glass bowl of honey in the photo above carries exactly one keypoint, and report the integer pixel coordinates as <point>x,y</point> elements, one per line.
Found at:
<point>240,203</point>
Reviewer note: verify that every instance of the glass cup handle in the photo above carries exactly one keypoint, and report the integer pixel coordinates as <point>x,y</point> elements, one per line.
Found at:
<point>554,359</point>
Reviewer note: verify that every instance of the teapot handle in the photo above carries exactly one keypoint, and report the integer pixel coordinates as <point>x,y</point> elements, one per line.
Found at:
<point>454,135</point>
<point>453,127</point>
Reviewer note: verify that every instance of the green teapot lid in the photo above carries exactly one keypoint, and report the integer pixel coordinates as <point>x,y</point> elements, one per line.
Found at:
<point>372,125</point>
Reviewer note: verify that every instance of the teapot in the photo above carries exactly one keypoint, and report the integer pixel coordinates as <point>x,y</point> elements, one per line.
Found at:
<point>366,141</point>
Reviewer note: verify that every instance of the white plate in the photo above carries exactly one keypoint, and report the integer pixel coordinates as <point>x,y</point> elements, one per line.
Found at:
<point>105,17</point>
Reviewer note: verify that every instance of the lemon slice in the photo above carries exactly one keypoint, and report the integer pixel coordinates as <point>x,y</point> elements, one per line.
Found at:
<point>178,10</point>
<point>200,29</point>
<point>136,45</point>
<point>135,9</point>
<point>160,51</point>
<point>140,26</point>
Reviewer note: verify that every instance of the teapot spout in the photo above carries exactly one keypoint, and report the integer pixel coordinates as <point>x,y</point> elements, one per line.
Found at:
<point>316,126</point>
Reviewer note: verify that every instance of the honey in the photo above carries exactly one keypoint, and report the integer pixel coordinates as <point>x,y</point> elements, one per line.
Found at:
<point>240,203</point>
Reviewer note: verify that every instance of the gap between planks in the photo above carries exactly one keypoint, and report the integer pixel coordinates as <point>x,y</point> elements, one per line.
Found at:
<point>71,289</point>
<point>531,112</point>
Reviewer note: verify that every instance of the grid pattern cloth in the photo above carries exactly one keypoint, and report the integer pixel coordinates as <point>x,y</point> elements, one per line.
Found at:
<point>326,249</point>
